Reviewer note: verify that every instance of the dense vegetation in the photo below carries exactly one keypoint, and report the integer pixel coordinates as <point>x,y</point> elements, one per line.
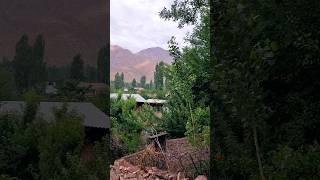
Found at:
<point>32,147</point>
<point>260,82</point>
<point>129,125</point>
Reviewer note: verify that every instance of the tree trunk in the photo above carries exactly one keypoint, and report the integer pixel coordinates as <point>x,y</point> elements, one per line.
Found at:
<point>255,136</point>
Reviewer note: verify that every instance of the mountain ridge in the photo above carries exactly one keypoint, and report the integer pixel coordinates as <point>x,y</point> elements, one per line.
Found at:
<point>70,28</point>
<point>135,65</point>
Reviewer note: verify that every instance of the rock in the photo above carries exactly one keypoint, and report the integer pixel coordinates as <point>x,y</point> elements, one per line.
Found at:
<point>201,177</point>
<point>146,175</point>
<point>129,176</point>
<point>172,177</point>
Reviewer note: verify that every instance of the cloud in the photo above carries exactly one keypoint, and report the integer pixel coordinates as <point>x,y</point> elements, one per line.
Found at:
<point>136,25</point>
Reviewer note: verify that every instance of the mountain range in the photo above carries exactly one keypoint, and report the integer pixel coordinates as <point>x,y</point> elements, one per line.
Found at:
<point>135,65</point>
<point>71,27</point>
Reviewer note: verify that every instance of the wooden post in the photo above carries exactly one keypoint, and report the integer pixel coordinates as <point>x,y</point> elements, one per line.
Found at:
<point>160,138</point>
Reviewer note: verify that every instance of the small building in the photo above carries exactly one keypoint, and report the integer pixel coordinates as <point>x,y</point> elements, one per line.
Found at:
<point>94,89</point>
<point>137,97</point>
<point>138,90</point>
<point>51,88</point>
<point>95,122</point>
<point>157,105</point>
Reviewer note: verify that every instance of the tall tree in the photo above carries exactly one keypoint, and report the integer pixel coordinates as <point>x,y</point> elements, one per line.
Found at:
<point>122,80</point>
<point>134,83</point>
<point>143,81</point>
<point>91,74</point>
<point>77,68</point>
<point>7,85</point>
<point>22,64</point>
<point>261,85</point>
<point>39,73</point>
<point>159,75</point>
<point>102,65</point>
<point>117,81</point>
<point>151,84</point>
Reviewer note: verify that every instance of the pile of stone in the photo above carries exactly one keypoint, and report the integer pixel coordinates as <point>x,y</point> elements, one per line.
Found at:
<point>149,163</point>
<point>123,170</point>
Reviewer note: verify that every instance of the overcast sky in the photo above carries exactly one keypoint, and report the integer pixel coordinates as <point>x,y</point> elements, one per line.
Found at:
<point>136,25</point>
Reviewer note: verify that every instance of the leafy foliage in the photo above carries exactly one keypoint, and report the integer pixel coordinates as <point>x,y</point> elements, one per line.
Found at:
<point>8,87</point>
<point>77,68</point>
<point>134,83</point>
<point>125,127</point>
<point>159,76</point>
<point>119,81</point>
<point>28,64</point>
<point>102,65</point>
<point>259,82</point>
<point>49,150</point>
<point>143,81</point>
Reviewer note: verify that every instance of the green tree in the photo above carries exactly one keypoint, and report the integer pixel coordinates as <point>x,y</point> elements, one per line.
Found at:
<point>39,73</point>
<point>77,68</point>
<point>7,85</point>
<point>71,91</point>
<point>22,64</point>
<point>117,81</point>
<point>28,64</point>
<point>63,139</point>
<point>58,74</point>
<point>90,74</point>
<point>151,84</point>
<point>32,100</point>
<point>102,65</point>
<point>159,75</point>
<point>19,142</point>
<point>134,83</point>
<point>143,81</point>
<point>122,80</point>
<point>256,82</point>
<point>125,125</point>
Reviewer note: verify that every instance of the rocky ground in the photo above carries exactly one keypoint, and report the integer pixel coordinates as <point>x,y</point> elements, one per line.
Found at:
<point>148,164</point>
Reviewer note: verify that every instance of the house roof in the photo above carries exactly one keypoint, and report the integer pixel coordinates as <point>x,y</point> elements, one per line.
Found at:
<point>156,101</point>
<point>136,97</point>
<point>92,116</point>
<point>93,85</point>
<point>50,89</point>
<point>138,88</point>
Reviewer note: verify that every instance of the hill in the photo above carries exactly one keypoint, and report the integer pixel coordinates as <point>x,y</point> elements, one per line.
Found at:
<point>135,65</point>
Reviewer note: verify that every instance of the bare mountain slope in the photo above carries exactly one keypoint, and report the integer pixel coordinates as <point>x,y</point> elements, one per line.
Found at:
<point>156,54</point>
<point>136,65</point>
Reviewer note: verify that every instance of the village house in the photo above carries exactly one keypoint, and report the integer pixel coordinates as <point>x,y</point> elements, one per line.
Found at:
<point>138,90</point>
<point>94,89</point>
<point>137,97</point>
<point>50,88</point>
<point>95,122</point>
<point>156,104</point>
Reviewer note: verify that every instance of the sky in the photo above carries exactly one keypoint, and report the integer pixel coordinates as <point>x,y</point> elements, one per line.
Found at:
<point>136,25</point>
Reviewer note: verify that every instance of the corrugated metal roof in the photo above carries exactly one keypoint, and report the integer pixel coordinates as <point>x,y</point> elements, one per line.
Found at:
<point>92,116</point>
<point>136,97</point>
<point>156,101</point>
